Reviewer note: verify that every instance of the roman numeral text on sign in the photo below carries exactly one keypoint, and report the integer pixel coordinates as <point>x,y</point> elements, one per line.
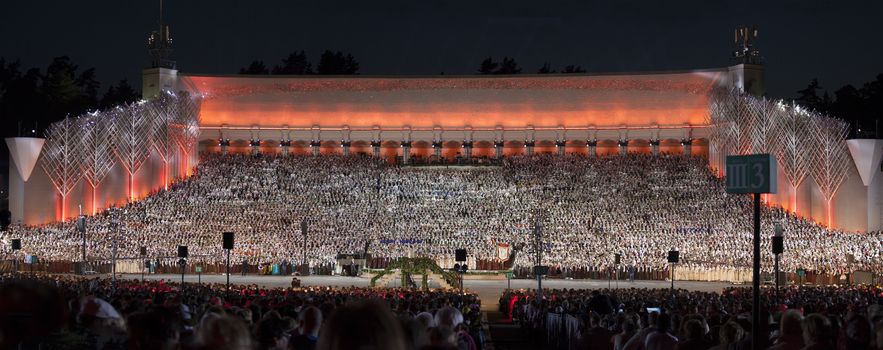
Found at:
<point>754,173</point>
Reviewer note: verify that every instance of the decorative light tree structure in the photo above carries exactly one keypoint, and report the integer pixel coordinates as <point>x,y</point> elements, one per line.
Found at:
<point>185,124</point>
<point>62,156</point>
<point>160,113</point>
<point>97,148</point>
<point>793,150</point>
<point>803,142</point>
<point>831,160</point>
<point>133,135</point>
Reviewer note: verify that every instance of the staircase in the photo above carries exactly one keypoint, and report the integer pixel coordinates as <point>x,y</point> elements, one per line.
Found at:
<point>394,277</point>
<point>431,276</point>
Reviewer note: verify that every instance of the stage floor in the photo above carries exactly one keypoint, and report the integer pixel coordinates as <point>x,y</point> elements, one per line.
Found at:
<point>488,290</point>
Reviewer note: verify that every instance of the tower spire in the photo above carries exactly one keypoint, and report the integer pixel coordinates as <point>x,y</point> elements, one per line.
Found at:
<point>746,52</point>
<point>159,44</point>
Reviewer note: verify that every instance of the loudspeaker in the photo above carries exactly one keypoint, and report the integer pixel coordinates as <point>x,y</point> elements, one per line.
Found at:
<point>16,244</point>
<point>616,258</point>
<point>303,227</point>
<point>541,270</point>
<point>778,244</point>
<point>460,254</point>
<point>143,251</point>
<point>674,256</point>
<point>81,224</point>
<point>182,251</point>
<point>228,240</point>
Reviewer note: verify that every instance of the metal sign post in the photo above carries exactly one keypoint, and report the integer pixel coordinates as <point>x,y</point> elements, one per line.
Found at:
<point>753,174</point>
<point>539,269</point>
<point>303,230</point>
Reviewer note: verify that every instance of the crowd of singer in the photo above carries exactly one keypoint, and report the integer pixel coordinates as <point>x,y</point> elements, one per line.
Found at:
<point>589,207</point>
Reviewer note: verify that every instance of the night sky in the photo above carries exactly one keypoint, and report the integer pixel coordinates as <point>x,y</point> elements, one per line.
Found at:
<point>835,41</point>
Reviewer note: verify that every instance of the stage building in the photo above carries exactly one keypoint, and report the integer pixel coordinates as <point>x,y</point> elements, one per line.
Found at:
<point>401,118</point>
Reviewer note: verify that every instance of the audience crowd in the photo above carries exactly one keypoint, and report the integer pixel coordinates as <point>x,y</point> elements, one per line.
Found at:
<point>638,205</point>
<point>63,312</point>
<point>836,317</point>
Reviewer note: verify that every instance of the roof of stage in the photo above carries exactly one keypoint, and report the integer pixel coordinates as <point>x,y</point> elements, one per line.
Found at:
<point>482,101</point>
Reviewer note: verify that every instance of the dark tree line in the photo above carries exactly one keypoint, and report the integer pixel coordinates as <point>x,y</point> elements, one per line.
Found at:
<point>506,66</point>
<point>861,107</point>
<point>509,66</point>
<point>569,69</point>
<point>330,63</point>
<point>31,98</point>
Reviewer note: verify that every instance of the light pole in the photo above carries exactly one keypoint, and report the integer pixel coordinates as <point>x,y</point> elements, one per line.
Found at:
<point>303,230</point>
<point>115,227</point>
<point>81,227</point>
<point>182,261</point>
<point>539,270</point>
<point>145,262</point>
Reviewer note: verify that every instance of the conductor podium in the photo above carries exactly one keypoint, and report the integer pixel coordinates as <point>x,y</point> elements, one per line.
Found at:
<point>351,264</point>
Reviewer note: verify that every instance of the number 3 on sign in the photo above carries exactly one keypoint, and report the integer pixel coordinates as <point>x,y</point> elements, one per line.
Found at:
<point>759,177</point>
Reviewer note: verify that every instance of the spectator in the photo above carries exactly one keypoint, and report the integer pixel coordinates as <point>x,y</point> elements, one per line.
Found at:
<point>662,339</point>
<point>694,336</point>
<point>310,319</point>
<point>790,332</point>
<point>367,325</point>
<point>817,333</point>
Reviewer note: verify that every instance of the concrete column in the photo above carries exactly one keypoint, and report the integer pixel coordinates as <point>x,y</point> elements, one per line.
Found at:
<point>467,148</point>
<point>225,143</point>
<point>623,147</point>
<point>498,149</point>
<point>345,144</point>
<point>375,147</point>
<point>406,152</point>
<point>593,147</point>
<point>316,147</point>
<point>560,147</point>
<point>654,147</point>
<point>688,147</point>
<point>529,146</point>
<point>286,147</point>
<point>437,148</point>
<point>255,146</point>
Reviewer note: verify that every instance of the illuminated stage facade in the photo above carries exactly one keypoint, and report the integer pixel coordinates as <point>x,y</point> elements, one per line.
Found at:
<point>465,117</point>
<point>469,116</point>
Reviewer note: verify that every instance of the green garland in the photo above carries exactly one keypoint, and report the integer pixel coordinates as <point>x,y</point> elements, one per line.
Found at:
<point>416,266</point>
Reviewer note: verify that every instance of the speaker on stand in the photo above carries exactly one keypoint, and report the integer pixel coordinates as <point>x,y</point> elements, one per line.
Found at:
<point>228,246</point>
<point>16,246</point>
<point>182,261</point>
<point>674,257</point>
<point>460,257</point>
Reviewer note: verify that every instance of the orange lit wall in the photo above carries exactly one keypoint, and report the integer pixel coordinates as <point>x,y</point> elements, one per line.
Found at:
<point>451,102</point>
